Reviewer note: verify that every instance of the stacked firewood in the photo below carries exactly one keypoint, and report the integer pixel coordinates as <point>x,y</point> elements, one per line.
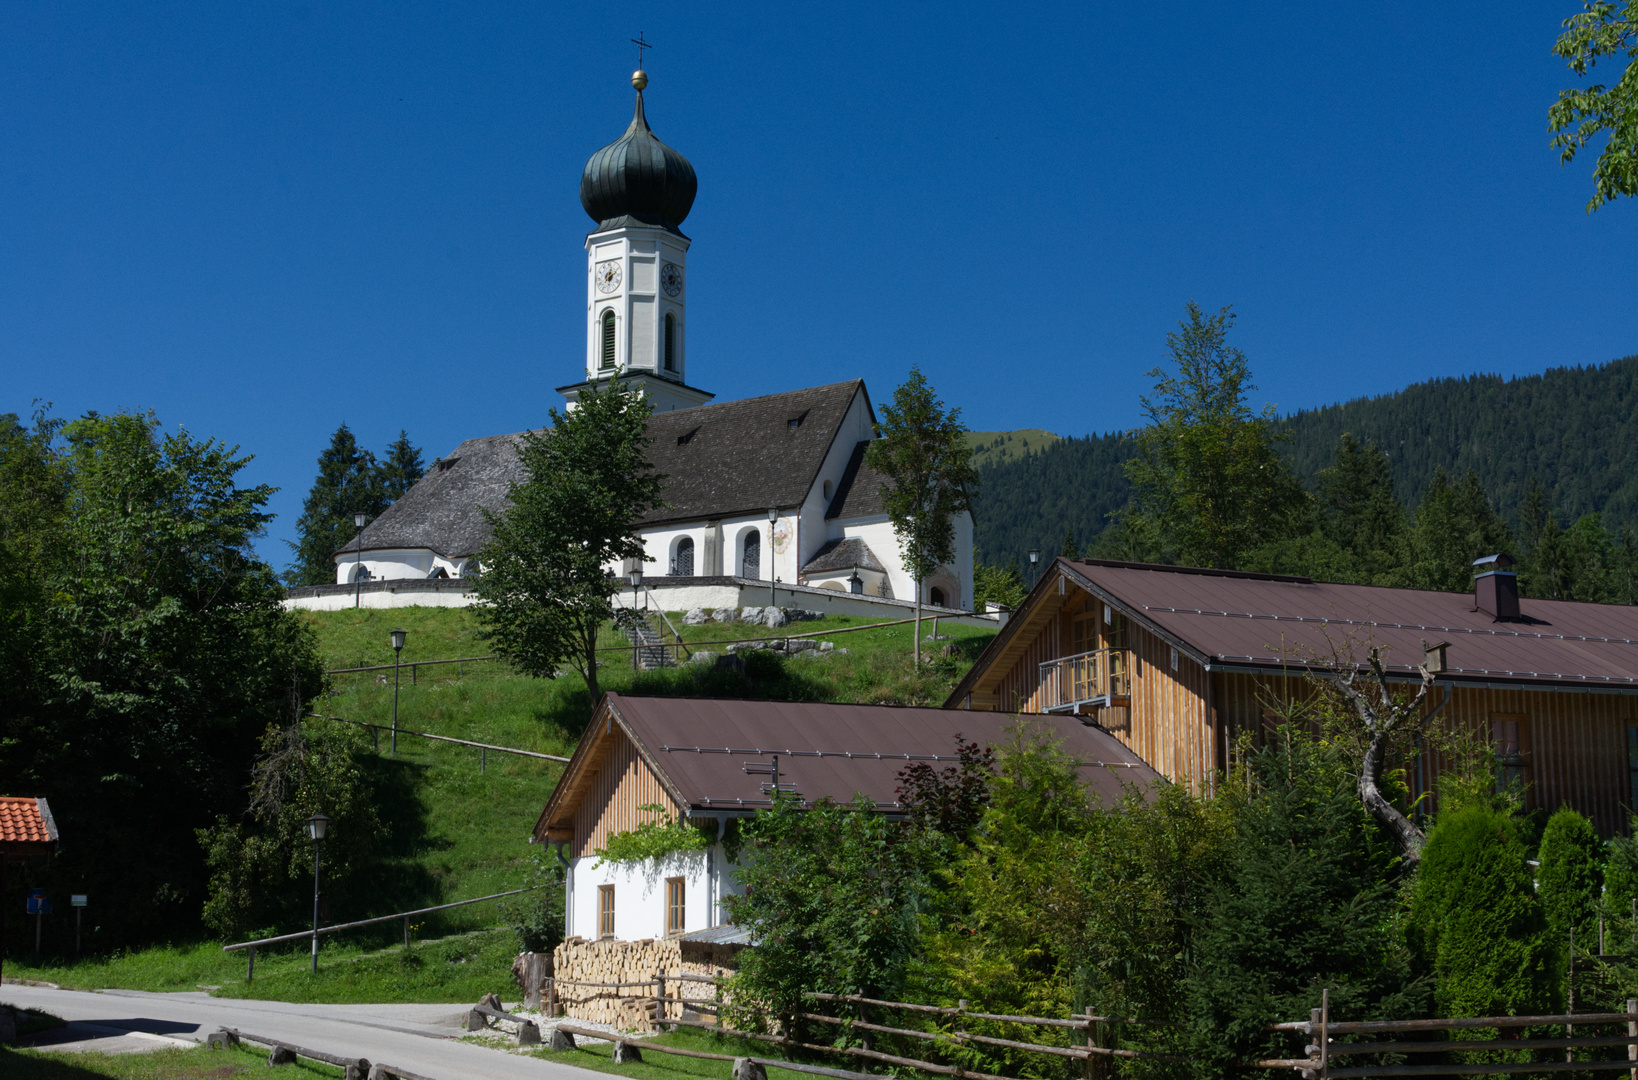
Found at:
<point>634,965</point>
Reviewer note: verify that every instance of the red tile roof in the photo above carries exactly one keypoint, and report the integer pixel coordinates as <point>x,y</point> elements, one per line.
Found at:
<point>25,821</point>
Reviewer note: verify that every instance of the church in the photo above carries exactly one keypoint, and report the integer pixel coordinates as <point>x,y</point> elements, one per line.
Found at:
<point>765,495</point>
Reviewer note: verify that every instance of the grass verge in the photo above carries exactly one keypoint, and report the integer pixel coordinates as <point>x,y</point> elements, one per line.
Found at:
<point>166,1064</point>
<point>600,1057</point>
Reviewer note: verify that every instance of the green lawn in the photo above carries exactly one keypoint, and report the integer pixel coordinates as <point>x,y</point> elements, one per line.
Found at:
<point>167,1064</point>
<point>467,817</point>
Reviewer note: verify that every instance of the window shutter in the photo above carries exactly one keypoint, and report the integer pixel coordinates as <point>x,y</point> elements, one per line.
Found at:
<point>608,340</point>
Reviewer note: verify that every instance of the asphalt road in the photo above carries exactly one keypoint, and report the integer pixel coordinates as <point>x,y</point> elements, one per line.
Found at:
<point>420,1038</point>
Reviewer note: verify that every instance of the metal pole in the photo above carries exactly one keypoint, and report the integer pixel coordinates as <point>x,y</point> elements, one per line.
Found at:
<point>396,655</point>
<point>317,845</point>
<point>358,566</point>
<point>78,912</point>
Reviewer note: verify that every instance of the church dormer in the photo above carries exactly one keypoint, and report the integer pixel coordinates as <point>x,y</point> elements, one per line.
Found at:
<point>639,191</point>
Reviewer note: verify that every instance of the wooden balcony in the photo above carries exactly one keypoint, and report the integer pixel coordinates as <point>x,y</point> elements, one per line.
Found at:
<point>1093,679</point>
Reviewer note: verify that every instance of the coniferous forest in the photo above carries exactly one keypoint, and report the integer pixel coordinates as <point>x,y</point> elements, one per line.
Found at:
<point>1545,451</point>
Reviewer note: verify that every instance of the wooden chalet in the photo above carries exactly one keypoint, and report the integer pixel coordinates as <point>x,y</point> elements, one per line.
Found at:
<point>1176,662</point>
<point>710,761</point>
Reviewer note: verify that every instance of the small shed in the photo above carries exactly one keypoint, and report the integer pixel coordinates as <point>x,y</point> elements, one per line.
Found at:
<point>26,828</point>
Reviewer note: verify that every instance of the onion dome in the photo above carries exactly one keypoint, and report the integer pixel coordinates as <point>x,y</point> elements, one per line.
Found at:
<point>637,179</point>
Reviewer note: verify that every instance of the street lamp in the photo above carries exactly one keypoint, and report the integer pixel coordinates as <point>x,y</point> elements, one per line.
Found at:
<point>358,555</point>
<point>317,826</point>
<point>1034,558</point>
<point>397,653</point>
<point>635,576</point>
<point>773,582</point>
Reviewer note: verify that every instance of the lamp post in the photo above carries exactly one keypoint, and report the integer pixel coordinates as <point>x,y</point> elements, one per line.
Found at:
<point>317,826</point>
<point>773,582</point>
<point>358,555</point>
<point>1034,558</point>
<point>398,637</point>
<point>635,576</point>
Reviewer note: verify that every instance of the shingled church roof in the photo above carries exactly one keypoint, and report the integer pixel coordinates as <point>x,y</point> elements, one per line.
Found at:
<point>738,457</point>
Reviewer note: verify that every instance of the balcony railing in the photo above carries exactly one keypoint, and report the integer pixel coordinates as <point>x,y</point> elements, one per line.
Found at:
<point>1094,678</point>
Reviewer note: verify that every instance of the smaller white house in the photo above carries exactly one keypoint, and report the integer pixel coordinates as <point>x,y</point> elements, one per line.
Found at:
<point>714,761</point>
<point>772,489</point>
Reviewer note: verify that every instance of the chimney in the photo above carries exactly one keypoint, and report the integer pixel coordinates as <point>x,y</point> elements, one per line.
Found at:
<point>1496,588</point>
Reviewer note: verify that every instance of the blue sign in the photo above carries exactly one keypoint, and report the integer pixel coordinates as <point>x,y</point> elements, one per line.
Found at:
<point>38,904</point>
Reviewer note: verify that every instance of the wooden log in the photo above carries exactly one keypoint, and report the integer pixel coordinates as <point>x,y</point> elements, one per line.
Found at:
<point>1473,1070</point>
<point>1340,1049</point>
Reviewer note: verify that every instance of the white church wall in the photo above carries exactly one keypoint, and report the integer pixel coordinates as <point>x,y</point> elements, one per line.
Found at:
<point>395,564</point>
<point>813,532</point>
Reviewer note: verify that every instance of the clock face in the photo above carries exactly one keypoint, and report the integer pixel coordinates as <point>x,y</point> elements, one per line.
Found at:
<point>671,279</point>
<point>608,276</point>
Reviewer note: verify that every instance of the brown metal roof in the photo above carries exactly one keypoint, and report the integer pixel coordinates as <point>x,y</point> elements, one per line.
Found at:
<point>701,747</point>
<point>1264,620</point>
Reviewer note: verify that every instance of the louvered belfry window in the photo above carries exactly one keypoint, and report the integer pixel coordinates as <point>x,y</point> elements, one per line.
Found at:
<point>670,342</point>
<point>606,361</point>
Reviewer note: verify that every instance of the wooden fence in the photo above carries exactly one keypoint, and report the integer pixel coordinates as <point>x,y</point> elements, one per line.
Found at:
<point>1588,1043</point>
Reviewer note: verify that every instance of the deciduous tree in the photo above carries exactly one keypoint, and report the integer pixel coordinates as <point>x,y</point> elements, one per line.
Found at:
<point>1603,29</point>
<point>923,454</point>
<point>545,587</point>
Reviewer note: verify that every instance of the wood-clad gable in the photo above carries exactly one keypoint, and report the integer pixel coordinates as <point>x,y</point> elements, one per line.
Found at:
<point>603,789</point>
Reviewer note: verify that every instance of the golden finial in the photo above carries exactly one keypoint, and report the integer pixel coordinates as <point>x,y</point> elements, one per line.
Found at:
<point>639,79</point>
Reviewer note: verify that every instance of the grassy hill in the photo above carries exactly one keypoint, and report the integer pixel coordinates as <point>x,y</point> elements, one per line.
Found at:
<point>461,820</point>
<point>991,446</point>
<point>1575,427</point>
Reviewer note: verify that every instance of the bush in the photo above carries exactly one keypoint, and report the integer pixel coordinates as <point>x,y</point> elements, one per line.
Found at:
<point>255,865</point>
<point>1305,900</point>
<point>1570,879</point>
<point>1477,922</point>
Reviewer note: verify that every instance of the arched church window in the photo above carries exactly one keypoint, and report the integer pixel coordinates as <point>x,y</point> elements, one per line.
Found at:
<point>937,597</point>
<point>682,565</point>
<point>750,566</point>
<point>606,361</point>
<point>670,342</point>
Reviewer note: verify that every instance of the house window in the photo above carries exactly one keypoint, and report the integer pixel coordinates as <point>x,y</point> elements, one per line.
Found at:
<point>676,905</point>
<point>606,360</point>
<point>1509,736</point>
<point>936,597</point>
<point>670,342</point>
<point>751,565</point>
<point>605,911</point>
<point>683,564</point>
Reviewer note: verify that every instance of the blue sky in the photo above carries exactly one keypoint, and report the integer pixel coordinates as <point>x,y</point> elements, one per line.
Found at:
<point>262,220</point>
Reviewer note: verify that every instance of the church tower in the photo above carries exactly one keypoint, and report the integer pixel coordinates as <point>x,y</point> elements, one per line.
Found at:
<point>638,190</point>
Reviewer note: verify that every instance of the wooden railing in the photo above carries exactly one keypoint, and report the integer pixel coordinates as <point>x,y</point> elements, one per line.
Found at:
<point>1095,677</point>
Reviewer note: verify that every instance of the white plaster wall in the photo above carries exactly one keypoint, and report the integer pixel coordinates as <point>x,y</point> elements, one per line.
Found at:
<point>856,426</point>
<point>639,893</point>
<point>409,594</point>
<point>395,564</point>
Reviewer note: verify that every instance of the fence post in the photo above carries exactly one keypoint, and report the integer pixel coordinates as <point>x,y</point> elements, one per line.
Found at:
<point>1632,1033</point>
<point>483,759</point>
<point>1091,1069</point>
<point>1325,1031</point>
<point>1316,1031</point>
<point>250,969</point>
<point>659,1001</point>
<point>406,932</point>
<point>413,669</point>
<point>1569,993</point>
<point>551,996</point>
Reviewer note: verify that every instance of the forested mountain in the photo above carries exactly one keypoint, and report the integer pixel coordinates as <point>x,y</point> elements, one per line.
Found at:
<point>1575,428</point>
